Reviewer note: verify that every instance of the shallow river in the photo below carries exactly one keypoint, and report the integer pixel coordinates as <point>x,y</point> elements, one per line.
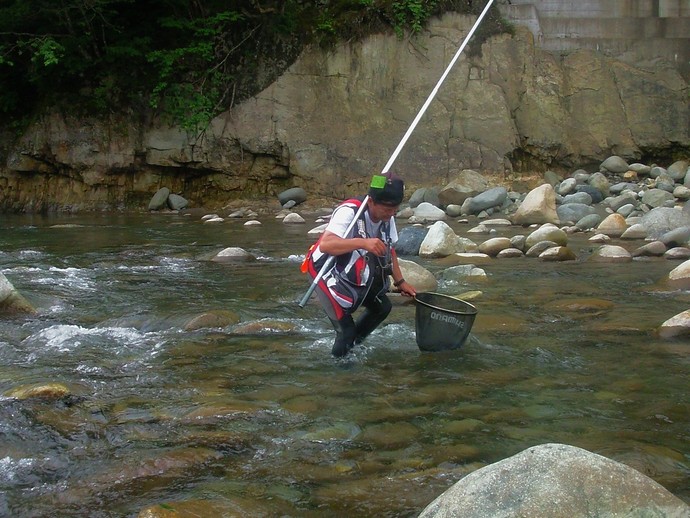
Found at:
<point>257,416</point>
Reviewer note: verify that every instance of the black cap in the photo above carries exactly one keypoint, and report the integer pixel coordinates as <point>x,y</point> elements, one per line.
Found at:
<point>387,188</point>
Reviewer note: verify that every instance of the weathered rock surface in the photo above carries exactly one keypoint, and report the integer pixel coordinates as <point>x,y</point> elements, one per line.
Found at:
<point>556,481</point>
<point>421,278</point>
<point>539,206</point>
<point>233,254</point>
<point>440,241</point>
<point>513,100</point>
<point>11,301</point>
<point>676,326</point>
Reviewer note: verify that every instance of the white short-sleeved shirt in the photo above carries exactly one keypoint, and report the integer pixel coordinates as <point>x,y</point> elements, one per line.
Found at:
<point>341,219</point>
<point>343,215</point>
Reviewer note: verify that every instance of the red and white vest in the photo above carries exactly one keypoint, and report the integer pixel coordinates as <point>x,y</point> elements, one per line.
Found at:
<point>349,279</point>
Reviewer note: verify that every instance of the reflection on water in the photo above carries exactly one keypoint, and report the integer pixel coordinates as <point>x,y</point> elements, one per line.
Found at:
<point>257,416</point>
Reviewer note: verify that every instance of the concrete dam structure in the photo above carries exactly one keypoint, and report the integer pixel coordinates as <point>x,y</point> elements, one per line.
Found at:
<point>633,31</point>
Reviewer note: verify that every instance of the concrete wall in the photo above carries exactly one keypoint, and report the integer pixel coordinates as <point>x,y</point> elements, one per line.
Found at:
<point>606,8</point>
<point>632,30</point>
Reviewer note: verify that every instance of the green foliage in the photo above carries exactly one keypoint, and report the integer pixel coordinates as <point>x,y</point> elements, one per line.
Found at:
<point>186,59</point>
<point>46,51</point>
<point>412,13</point>
<point>326,25</point>
<point>190,86</point>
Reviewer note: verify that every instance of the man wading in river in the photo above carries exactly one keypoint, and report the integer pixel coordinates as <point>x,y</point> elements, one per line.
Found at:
<point>364,259</point>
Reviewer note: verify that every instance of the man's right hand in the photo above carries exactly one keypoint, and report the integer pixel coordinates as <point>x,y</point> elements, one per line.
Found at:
<point>335,245</point>
<point>375,246</point>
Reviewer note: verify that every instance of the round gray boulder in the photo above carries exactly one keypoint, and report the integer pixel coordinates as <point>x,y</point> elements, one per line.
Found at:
<point>296,194</point>
<point>177,202</point>
<point>555,481</point>
<point>11,301</point>
<point>410,239</point>
<point>160,199</point>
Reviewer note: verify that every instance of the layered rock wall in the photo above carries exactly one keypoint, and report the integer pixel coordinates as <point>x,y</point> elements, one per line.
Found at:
<point>334,118</point>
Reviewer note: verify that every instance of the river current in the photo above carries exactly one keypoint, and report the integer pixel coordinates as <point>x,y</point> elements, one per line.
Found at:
<point>255,415</point>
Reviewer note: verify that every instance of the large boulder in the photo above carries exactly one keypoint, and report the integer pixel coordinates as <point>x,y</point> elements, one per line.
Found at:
<point>676,237</point>
<point>424,194</point>
<point>539,206</point>
<point>614,164</point>
<point>677,326</point>
<point>655,198</point>
<point>467,184</point>
<point>160,199</point>
<point>664,219</point>
<point>427,212</point>
<point>418,276</point>
<point>440,241</point>
<point>596,195</point>
<point>556,481</point>
<point>409,240</point>
<point>613,225</point>
<point>574,212</point>
<point>296,194</point>
<point>610,254</point>
<point>177,202</point>
<point>490,198</point>
<point>679,277</point>
<point>495,245</point>
<point>677,170</point>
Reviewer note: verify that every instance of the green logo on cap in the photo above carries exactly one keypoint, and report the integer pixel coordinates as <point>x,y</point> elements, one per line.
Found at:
<point>378,182</point>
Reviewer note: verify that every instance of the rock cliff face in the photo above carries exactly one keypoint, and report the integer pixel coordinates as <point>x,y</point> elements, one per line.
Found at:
<point>334,118</point>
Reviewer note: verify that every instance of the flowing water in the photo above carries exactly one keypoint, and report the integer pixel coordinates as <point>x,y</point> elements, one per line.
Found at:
<point>256,416</point>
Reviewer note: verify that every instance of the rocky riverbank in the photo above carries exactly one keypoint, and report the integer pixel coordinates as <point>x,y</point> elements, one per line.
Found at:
<point>631,211</point>
<point>333,117</point>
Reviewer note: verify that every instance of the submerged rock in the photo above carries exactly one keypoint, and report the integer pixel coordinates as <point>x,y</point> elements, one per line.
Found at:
<point>232,254</point>
<point>678,325</point>
<point>679,277</point>
<point>49,391</point>
<point>234,506</point>
<point>611,254</point>
<point>217,318</point>
<point>11,301</point>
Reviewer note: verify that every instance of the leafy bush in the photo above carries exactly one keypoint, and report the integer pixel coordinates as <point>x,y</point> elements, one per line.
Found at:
<point>187,60</point>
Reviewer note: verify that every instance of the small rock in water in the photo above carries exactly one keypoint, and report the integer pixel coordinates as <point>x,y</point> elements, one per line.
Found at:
<point>233,253</point>
<point>45,391</point>
<point>293,218</point>
<point>678,325</point>
<point>611,254</point>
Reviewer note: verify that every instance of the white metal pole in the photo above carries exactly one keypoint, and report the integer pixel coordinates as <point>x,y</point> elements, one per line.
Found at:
<point>433,93</point>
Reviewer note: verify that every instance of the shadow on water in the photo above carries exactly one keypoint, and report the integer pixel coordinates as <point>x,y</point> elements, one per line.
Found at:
<point>254,415</point>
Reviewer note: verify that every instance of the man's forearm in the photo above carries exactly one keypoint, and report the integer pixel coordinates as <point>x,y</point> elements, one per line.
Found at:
<point>333,244</point>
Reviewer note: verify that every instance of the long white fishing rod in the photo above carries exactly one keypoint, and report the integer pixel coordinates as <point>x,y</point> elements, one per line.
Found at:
<point>433,93</point>
<point>403,141</point>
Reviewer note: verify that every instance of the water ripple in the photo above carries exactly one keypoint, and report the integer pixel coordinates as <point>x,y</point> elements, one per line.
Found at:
<point>66,338</point>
